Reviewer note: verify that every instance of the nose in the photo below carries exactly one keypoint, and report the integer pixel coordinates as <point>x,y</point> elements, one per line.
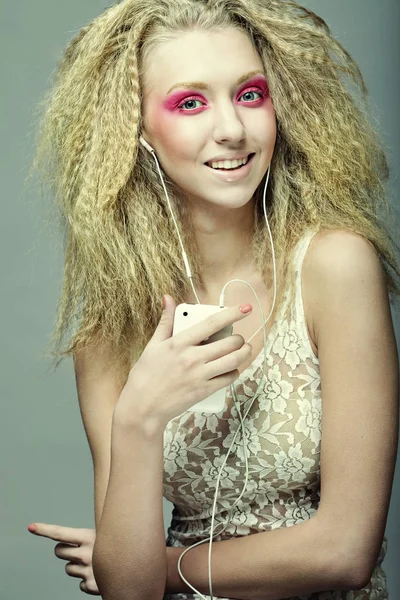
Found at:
<point>228,126</point>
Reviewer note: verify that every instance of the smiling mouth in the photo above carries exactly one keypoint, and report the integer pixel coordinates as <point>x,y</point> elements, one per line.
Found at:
<point>249,157</point>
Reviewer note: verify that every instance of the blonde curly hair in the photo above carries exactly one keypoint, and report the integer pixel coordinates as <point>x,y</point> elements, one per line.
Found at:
<point>121,249</point>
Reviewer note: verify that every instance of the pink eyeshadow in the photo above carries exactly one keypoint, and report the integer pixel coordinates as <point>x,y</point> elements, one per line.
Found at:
<point>172,101</point>
<point>177,97</point>
<point>257,81</point>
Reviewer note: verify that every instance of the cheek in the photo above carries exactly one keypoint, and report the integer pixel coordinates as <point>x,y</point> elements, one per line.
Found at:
<point>172,135</point>
<point>264,127</point>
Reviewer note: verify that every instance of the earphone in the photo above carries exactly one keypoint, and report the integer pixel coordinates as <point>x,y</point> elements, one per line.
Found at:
<point>222,296</point>
<point>146,145</point>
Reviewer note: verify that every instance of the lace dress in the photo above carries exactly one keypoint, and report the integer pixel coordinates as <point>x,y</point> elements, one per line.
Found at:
<point>283,438</point>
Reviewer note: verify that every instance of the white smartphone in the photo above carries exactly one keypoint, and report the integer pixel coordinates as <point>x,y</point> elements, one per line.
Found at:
<point>187,315</point>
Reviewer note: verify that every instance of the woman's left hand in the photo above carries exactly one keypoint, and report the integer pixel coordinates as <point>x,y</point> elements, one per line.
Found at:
<point>76,546</point>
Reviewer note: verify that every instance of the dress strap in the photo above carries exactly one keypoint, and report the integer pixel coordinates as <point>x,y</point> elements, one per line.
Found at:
<point>301,250</point>
<point>299,313</point>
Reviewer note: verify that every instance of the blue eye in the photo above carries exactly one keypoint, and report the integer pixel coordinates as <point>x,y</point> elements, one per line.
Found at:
<point>190,100</point>
<point>252,92</point>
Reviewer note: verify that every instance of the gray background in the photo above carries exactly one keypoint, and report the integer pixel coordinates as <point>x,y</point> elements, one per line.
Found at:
<point>46,468</point>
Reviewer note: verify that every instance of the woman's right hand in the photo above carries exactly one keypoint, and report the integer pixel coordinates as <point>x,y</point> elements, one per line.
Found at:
<point>175,372</point>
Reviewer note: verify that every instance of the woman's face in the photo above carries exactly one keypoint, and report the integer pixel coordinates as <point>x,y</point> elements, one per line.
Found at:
<point>206,98</point>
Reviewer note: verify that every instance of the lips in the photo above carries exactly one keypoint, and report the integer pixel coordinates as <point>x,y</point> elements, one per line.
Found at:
<point>208,163</point>
<point>229,176</point>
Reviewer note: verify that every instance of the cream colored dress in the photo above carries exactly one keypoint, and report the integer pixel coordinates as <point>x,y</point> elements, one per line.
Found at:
<point>283,437</point>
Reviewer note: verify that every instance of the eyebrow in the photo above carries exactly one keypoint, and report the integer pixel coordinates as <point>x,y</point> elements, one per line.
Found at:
<point>203,86</point>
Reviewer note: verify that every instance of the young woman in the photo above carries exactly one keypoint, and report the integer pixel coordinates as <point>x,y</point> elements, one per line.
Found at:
<point>203,82</point>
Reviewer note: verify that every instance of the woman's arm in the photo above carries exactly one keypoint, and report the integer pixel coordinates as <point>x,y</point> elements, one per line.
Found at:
<point>339,546</point>
<point>129,555</point>
<point>269,565</point>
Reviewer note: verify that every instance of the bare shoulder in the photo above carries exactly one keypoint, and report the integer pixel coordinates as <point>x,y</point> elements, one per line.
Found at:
<point>337,257</point>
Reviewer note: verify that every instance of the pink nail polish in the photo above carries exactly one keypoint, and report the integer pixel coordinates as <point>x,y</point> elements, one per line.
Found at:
<point>245,308</point>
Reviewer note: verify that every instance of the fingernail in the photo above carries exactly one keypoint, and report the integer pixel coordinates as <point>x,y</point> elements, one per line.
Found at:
<point>245,308</point>
<point>32,528</point>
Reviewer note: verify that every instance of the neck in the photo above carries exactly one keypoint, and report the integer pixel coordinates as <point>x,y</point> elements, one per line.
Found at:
<point>223,238</point>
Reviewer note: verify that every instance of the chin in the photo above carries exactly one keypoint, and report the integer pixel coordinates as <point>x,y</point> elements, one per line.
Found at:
<point>231,200</point>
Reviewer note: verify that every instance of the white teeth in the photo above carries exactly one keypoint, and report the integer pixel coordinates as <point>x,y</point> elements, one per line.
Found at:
<point>229,164</point>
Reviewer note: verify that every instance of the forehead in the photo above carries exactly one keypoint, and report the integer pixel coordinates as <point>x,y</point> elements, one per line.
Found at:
<point>214,57</point>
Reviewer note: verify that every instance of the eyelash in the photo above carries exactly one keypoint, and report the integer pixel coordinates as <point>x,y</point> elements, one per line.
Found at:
<point>251,90</point>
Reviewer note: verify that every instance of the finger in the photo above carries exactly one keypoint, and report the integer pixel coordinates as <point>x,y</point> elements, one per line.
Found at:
<point>88,583</point>
<point>74,570</point>
<point>69,552</point>
<point>68,535</point>
<point>89,587</point>
<point>197,333</point>
<point>222,347</point>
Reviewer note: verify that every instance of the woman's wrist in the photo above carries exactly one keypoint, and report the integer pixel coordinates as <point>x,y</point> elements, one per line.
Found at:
<point>128,415</point>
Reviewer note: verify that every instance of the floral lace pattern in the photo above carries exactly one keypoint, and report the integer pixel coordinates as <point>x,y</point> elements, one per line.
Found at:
<point>282,432</point>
